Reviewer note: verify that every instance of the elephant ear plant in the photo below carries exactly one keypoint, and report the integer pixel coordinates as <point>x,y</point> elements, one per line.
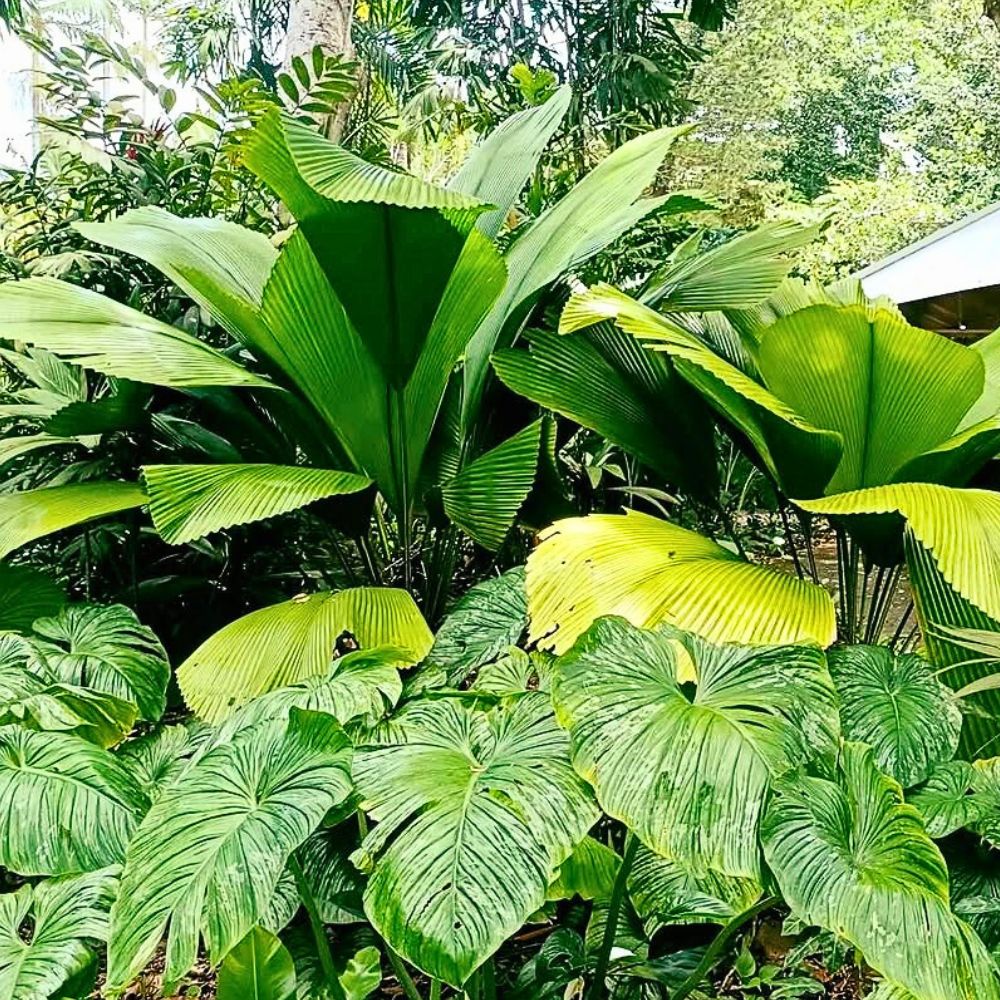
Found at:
<point>643,783</point>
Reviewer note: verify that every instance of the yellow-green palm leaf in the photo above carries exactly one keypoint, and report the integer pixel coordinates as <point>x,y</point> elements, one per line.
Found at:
<point>286,643</point>
<point>650,571</point>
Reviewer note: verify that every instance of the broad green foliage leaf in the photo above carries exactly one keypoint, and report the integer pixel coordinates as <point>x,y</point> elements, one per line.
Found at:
<point>852,858</point>
<point>361,686</point>
<point>258,968</point>
<point>664,892</point>
<point>336,884</point>
<point>106,336</point>
<point>65,804</point>
<point>896,705</point>
<point>738,274</point>
<point>602,206</point>
<point>124,409</point>
<point>187,502</point>
<point>32,696</point>
<point>485,621</point>
<point>940,611</point>
<point>800,455</point>
<point>589,872</point>
<point>890,390</point>
<point>514,673</point>
<point>485,497</point>
<point>362,975</point>
<point>221,265</point>
<point>497,170</point>
<point>947,800</point>
<point>26,594</point>
<point>986,788</point>
<point>475,814</point>
<point>604,380</point>
<point>289,642</point>
<point>988,404</point>
<point>106,648</point>
<point>974,868</point>
<point>961,528</point>
<point>690,776</point>
<point>157,758</point>
<point>33,514</point>
<point>65,915</point>
<point>207,857</point>
<point>650,571</point>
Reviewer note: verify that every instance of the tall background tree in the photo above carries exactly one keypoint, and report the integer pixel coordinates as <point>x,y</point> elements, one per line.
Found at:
<point>887,111</point>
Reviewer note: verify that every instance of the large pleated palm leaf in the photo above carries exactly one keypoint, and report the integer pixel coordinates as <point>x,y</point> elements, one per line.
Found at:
<point>952,547</point>
<point>357,322</point>
<point>845,397</point>
<point>649,571</point>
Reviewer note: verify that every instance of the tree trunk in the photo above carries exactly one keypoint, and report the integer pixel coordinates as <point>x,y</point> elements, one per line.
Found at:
<point>991,8</point>
<point>326,23</point>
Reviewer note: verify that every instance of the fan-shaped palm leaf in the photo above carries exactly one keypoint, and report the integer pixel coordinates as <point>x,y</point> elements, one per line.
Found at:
<point>187,502</point>
<point>26,594</point>
<point>650,571</point>
<point>289,642</point>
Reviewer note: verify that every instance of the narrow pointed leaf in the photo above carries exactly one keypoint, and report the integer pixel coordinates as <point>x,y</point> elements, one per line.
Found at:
<point>221,265</point>
<point>205,861</point>
<point>602,206</point>
<point>475,814</point>
<point>691,777</point>
<point>497,170</point>
<point>650,571</point>
<point>99,333</point>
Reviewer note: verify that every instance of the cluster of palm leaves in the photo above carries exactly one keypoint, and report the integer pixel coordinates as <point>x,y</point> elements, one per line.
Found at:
<point>640,725</point>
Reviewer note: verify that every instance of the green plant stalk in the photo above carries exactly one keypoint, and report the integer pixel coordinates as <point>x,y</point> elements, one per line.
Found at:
<point>435,989</point>
<point>405,979</point>
<point>488,976</point>
<point>599,988</point>
<point>319,932</point>
<point>716,948</point>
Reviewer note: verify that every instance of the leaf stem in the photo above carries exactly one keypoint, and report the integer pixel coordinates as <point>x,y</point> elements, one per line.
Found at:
<point>435,993</point>
<point>599,989</point>
<point>715,949</point>
<point>404,978</point>
<point>319,931</point>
